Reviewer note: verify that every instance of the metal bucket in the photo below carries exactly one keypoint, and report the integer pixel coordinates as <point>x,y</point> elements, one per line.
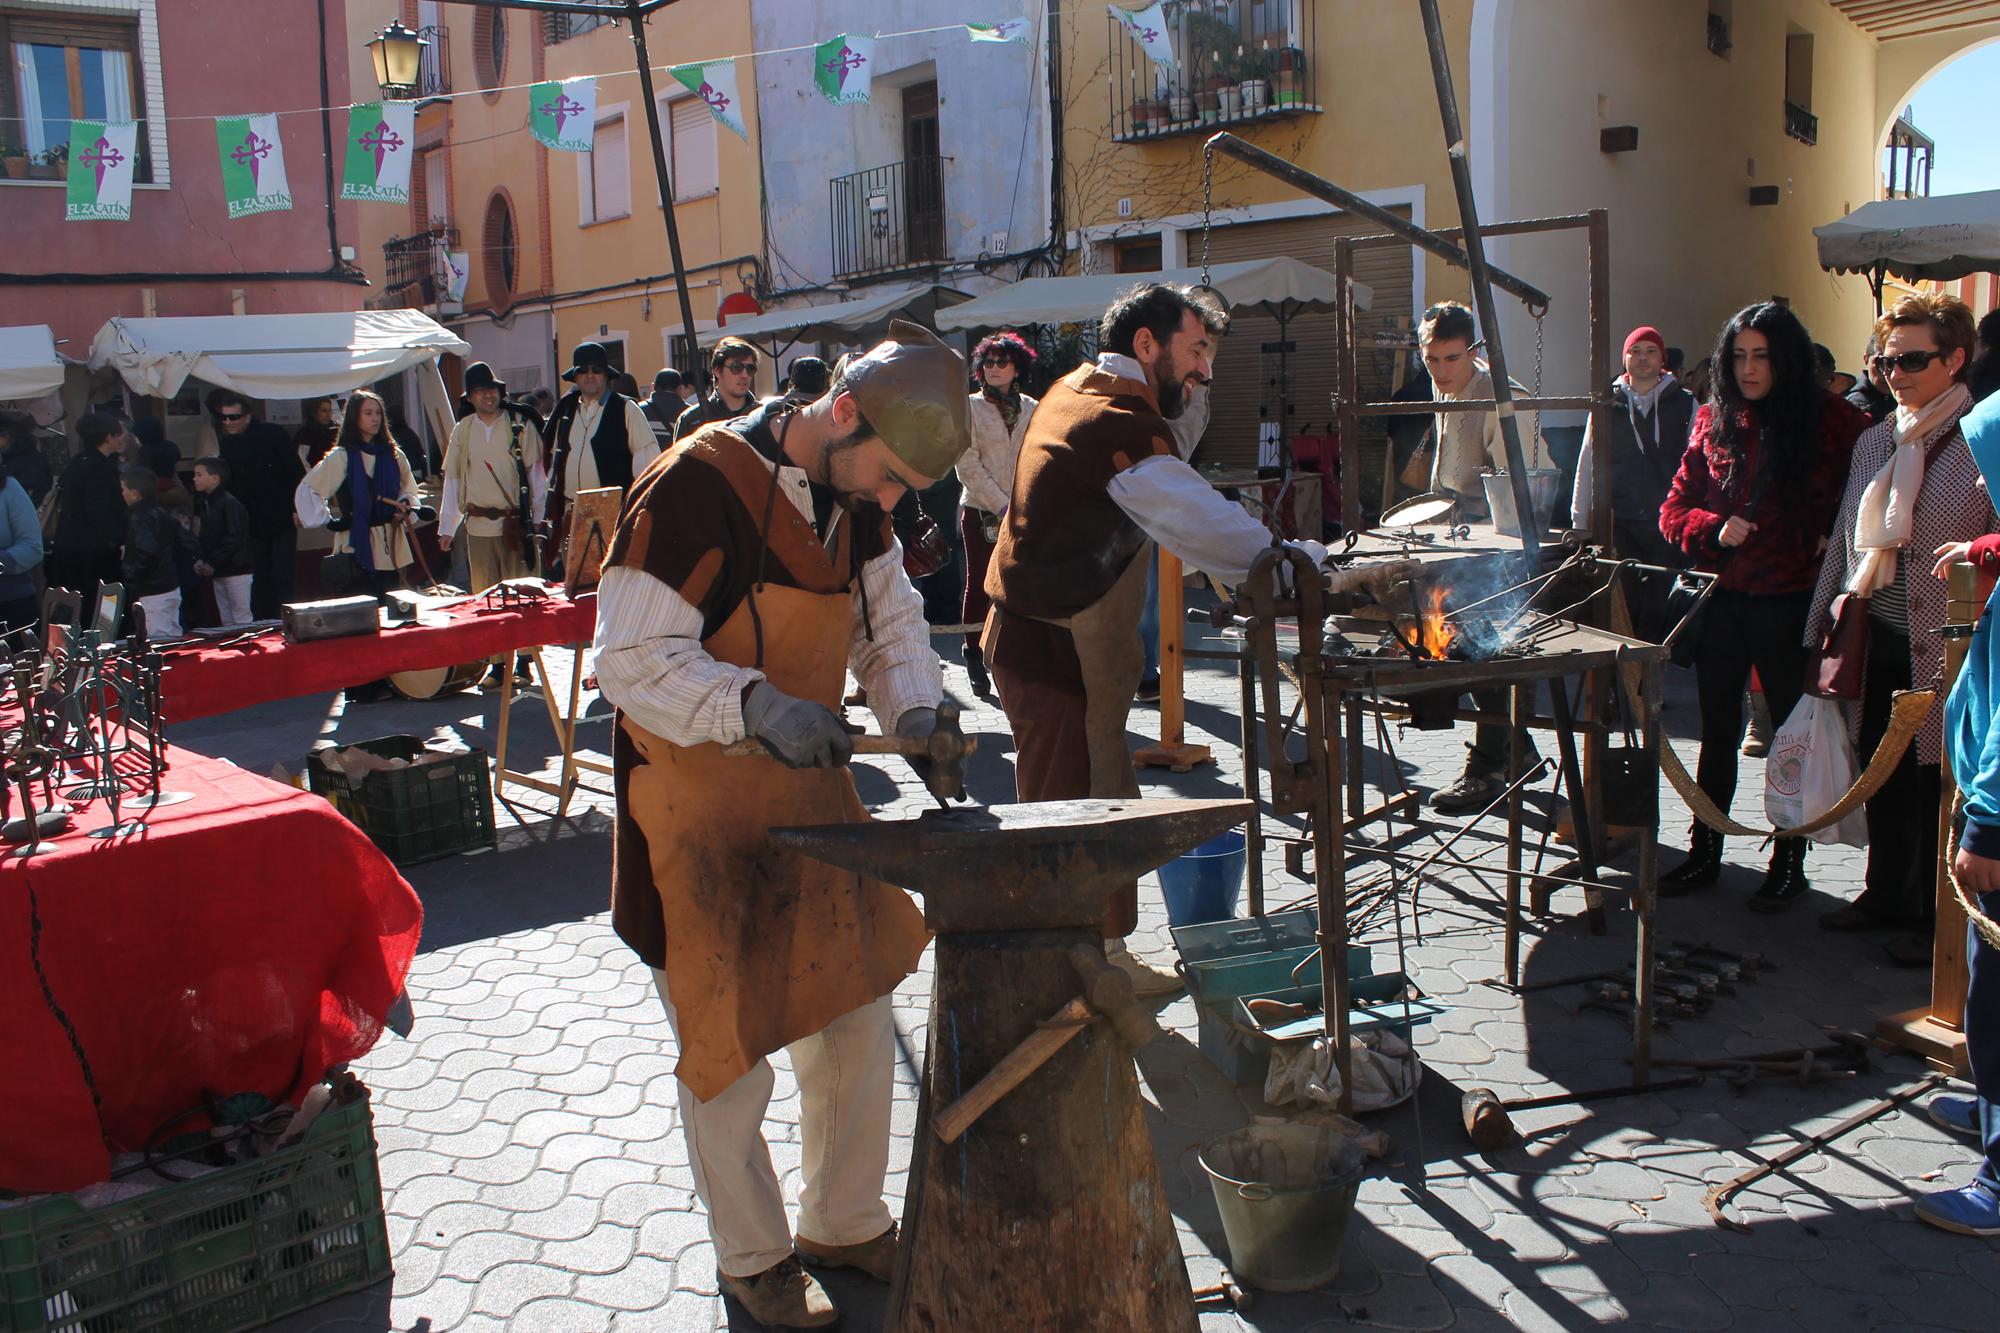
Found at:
<point>1286,1193</point>
<point>1543,484</point>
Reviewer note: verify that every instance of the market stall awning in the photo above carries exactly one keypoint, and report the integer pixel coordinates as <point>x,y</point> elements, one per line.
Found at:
<point>29,366</point>
<point>859,320</point>
<point>271,356</point>
<point>1941,238</point>
<point>1281,285</point>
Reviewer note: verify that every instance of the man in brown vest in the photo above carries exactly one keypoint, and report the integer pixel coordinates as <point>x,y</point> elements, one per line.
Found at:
<point>750,571</point>
<point>1098,481</point>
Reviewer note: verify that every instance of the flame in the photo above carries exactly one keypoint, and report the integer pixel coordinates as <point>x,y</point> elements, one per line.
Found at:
<point>1434,633</point>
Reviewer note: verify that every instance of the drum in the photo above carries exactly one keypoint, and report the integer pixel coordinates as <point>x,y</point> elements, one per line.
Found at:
<point>434,682</point>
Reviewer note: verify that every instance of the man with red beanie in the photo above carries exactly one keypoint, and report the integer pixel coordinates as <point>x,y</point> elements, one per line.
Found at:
<point>1650,420</point>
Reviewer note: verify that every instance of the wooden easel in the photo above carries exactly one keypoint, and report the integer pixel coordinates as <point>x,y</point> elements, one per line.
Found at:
<point>1173,751</point>
<point>1936,1031</point>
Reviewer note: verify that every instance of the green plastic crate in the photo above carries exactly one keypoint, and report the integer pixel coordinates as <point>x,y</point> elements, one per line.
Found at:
<point>413,814</point>
<point>233,1249</point>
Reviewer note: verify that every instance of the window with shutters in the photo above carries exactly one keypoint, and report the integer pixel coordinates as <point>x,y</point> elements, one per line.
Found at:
<point>562,27</point>
<point>63,67</point>
<point>696,174</point>
<point>606,174</point>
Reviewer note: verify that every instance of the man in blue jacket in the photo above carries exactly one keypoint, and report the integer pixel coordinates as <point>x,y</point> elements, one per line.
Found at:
<point>1972,730</point>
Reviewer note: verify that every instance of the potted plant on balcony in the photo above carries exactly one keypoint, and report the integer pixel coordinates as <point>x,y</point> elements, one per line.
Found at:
<point>51,165</point>
<point>16,162</point>
<point>1253,79</point>
<point>1288,80</point>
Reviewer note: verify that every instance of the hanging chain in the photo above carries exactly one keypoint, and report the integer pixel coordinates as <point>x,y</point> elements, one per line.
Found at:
<point>1207,195</point>
<point>1541,315</point>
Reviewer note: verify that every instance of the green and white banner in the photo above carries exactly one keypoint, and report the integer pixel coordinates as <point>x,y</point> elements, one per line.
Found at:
<point>843,67</point>
<point>1006,30</point>
<point>458,268</point>
<point>100,170</point>
<point>253,165</point>
<point>1148,27</point>
<point>379,152</point>
<point>715,84</point>
<point>563,115</point>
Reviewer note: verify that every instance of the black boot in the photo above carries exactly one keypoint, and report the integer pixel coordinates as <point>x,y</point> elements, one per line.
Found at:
<point>1702,867</point>
<point>1785,882</point>
<point>975,668</point>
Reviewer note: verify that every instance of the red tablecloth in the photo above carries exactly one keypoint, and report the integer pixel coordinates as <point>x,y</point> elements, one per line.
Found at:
<point>201,682</point>
<point>243,942</point>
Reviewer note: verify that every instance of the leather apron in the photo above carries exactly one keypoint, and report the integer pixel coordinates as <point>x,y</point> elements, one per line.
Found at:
<point>764,946</point>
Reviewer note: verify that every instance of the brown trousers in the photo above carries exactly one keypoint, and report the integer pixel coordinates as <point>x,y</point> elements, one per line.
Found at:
<point>1052,759</point>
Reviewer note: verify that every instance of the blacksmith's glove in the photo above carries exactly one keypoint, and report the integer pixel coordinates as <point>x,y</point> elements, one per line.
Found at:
<point>799,733</point>
<point>917,725</point>
<point>1314,551</point>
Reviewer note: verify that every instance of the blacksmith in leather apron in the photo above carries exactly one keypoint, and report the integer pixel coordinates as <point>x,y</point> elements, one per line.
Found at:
<point>752,554</point>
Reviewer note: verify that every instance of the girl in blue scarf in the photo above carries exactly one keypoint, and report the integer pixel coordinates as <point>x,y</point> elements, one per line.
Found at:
<point>366,471</point>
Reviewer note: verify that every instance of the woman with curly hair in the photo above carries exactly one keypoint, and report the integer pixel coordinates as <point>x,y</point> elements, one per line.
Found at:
<point>1753,503</point>
<point>999,422</point>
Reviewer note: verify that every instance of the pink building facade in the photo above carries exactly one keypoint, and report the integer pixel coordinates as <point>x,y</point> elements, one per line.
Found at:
<point>173,65</point>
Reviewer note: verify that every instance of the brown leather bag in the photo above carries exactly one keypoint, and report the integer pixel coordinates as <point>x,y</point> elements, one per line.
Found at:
<point>1836,667</point>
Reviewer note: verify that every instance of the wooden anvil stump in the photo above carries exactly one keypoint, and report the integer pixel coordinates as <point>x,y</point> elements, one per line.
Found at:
<point>1048,1212</point>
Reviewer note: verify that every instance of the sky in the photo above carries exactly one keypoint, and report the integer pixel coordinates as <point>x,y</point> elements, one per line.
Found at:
<point>1955,108</point>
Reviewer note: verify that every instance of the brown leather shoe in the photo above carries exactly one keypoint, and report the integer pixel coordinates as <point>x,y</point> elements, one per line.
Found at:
<point>783,1296</point>
<point>876,1258</point>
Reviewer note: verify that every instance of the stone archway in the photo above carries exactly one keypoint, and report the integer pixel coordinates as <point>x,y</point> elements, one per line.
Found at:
<point>1905,65</point>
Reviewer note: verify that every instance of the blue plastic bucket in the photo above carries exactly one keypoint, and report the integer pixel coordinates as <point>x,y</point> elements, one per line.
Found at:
<point>1204,884</point>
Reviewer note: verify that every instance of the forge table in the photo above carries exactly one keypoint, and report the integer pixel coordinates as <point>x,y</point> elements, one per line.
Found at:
<point>1336,686</point>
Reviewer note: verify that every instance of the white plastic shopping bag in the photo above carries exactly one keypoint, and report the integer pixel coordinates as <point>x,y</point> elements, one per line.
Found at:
<point>1811,766</point>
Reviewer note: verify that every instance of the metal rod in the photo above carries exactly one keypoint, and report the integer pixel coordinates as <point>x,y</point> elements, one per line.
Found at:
<point>1430,406</point>
<point>1321,188</point>
<point>636,11</point>
<point>1483,281</point>
<point>1514,227</point>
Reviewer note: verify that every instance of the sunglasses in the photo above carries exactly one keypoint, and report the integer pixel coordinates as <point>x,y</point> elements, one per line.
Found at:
<point>234,416</point>
<point>996,360</point>
<point>1910,363</point>
<point>739,367</point>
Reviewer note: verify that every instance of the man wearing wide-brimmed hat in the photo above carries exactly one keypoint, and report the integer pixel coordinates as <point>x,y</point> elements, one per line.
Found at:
<point>597,437</point>
<point>495,474</point>
<point>751,570</point>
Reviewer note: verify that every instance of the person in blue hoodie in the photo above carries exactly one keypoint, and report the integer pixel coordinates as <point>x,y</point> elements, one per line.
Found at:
<point>20,557</point>
<point>1972,734</point>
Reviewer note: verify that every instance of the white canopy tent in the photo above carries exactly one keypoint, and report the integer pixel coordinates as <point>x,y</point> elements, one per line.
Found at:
<point>1943,238</point>
<point>1282,285</point>
<point>29,366</point>
<point>858,320</point>
<point>271,356</point>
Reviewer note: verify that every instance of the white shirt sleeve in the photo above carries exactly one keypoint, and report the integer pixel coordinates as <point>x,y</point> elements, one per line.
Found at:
<point>897,665</point>
<point>1580,494</point>
<point>650,662</point>
<point>450,507</point>
<point>639,433</point>
<point>1182,512</point>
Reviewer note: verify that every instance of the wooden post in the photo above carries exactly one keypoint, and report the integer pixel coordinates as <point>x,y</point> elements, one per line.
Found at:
<point>1173,751</point>
<point>1936,1031</point>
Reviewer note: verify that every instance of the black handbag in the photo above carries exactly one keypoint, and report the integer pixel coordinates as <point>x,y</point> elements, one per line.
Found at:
<point>1631,781</point>
<point>338,573</point>
<point>1687,599</point>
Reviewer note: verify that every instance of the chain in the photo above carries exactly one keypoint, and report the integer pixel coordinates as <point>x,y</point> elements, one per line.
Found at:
<point>1207,195</point>
<point>1541,315</point>
<point>49,998</point>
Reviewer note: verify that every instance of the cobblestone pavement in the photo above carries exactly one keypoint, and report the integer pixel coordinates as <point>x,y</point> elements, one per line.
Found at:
<point>535,1178</point>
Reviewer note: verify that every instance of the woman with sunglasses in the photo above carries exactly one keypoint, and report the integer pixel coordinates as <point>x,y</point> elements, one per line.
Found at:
<point>364,490</point>
<point>1752,503</point>
<point>1913,499</point>
<point>999,421</point>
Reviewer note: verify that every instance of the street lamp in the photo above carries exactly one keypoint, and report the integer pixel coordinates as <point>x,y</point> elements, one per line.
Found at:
<point>398,54</point>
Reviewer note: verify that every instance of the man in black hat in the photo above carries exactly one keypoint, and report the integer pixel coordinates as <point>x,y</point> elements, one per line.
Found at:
<point>596,437</point>
<point>732,364</point>
<point>495,475</point>
<point>665,406</point>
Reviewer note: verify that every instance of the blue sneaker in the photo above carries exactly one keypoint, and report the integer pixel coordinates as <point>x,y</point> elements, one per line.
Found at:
<point>1971,1210</point>
<point>1957,1114</point>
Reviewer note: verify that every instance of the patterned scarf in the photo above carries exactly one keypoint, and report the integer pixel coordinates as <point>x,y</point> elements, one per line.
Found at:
<point>1009,404</point>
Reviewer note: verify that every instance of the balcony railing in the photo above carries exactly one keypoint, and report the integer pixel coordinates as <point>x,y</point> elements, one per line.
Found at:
<point>888,218</point>
<point>415,272</point>
<point>1240,63</point>
<point>1801,124</point>
<point>434,66</point>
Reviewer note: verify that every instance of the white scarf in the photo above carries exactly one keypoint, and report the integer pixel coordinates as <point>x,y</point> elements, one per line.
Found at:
<point>1888,507</point>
